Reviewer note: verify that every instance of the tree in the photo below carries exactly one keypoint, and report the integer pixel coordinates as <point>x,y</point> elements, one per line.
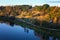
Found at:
<point>45,6</point>
<point>2,7</point>
<point>26,7</point>
<point>38,8</point>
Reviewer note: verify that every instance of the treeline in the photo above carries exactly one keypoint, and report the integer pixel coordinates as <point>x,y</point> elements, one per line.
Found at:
<point>13,10</point>
<point>44,12</point>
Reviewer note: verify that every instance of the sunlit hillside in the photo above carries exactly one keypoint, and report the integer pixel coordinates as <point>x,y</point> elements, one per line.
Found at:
<point>41,13</point>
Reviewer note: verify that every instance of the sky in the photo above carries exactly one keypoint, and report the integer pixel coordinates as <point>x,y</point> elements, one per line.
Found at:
<point>29,2</point>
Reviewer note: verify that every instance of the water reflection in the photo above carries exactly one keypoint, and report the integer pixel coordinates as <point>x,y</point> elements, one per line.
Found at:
<point>42,36</point>
<point>26,30</point>
<point>11,23</point>
<point>45,36</point>
<point>25,33</point>
<point>7,22</point>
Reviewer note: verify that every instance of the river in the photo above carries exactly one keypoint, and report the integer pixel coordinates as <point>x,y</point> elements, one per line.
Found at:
<point>11,31</point>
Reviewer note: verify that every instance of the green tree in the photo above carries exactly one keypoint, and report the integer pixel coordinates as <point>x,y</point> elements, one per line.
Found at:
<point>26,7</point>
<point>38,8</point>
<point>45,6</point>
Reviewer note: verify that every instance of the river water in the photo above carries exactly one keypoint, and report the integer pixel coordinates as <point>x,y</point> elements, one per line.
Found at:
<point>17,32</point>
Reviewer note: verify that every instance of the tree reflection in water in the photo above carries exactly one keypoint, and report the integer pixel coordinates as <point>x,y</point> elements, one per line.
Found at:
<point>7,22</point>
<point>12,24</point>
<point>38,33</point>
<point>26,30</point>
<point>44,36</point>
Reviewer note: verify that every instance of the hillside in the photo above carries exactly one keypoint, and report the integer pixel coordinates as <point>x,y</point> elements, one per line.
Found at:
<point>41,13</point>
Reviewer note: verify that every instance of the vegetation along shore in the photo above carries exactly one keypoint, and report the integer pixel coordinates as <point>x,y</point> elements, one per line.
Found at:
<point>43,16</point>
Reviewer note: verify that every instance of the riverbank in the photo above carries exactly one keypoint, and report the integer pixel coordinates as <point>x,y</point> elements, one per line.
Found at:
<point>28,27</point>
<point>40,27</point>
<point>43,25</point>
<point>50,32</point>
<point>44,16</point>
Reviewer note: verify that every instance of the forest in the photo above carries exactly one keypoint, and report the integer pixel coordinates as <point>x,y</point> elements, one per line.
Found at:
<point>36,14</point>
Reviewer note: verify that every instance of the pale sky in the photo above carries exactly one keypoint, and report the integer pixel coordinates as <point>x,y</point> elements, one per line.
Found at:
<point>30,2</point>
